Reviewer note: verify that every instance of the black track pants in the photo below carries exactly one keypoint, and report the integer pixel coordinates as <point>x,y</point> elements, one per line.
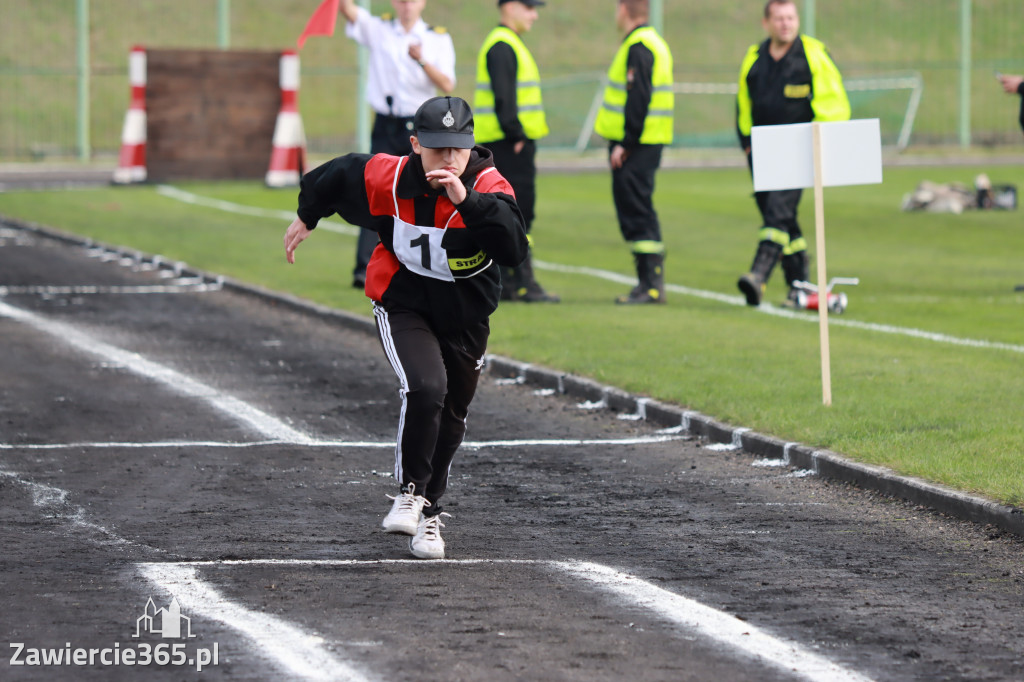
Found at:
<point>438,374</point>
<point>632,191</point>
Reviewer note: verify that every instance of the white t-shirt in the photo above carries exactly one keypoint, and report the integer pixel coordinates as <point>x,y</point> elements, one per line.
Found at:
<point>391,70</point>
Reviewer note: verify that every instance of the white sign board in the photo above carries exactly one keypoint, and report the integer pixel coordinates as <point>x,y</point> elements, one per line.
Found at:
<point>783,155</point>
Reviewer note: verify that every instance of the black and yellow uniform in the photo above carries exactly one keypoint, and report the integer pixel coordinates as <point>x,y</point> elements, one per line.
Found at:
<point>637,114</point>
<point>509,110</point>
<point>803,86</point>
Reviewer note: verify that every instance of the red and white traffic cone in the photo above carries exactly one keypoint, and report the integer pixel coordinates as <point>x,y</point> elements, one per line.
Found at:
<point>288,158</point>
<point>132,165</point>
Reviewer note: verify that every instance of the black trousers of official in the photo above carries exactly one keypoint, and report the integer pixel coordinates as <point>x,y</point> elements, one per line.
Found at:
<point>390,135</point>
<point>438,375</point>
<point>521,172</point>
<point>778,208</point>
<point>632,192</point>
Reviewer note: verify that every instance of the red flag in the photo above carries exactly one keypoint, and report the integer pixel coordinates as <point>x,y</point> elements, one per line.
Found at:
<point>322,22</point>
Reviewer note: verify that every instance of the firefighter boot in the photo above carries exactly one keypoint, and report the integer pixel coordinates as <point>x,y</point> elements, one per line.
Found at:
<point>650,270</point>
<point>795,269</point>
<point>527,288</point>
<point>752,284</point>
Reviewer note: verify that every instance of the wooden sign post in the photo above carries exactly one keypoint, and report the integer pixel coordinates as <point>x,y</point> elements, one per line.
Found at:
<point>819,237</point>
<point>818,155</point>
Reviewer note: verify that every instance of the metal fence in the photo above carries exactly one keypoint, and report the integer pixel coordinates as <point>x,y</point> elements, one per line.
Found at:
<point>926,69</point>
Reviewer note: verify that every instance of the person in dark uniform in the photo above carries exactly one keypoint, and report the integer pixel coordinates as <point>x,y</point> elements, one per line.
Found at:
<point>447,221</point>
<point>789,78</point>
<point>636,118</point>
<point>1015,85</point>
<point>409,61</point>
<point>509,120</point>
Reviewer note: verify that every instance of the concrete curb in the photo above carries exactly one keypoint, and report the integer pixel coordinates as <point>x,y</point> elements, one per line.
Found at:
<point>824,463</point>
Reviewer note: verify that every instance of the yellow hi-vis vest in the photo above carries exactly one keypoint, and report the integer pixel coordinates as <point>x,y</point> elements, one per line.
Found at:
<point>611,119</point>
<point>830,101</point>
<point>528,100</point>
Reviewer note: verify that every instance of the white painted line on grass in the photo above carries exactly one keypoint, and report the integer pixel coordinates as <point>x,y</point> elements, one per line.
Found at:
<point>687,614</point>
<point>262,422</point>
<point>188,197</point>
<point>293,650</point>
<point>231,207</point>
<point>790,314</point>
<point>307,441</point>
<point>717,625</point>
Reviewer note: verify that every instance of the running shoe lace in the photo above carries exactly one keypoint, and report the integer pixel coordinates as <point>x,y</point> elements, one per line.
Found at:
<point>406,501</point>
<point>432,526</point>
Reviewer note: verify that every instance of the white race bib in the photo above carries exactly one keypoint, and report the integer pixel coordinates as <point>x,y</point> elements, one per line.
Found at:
<point>419,249</point>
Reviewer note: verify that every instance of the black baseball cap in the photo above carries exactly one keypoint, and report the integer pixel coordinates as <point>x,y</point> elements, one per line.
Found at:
<point>444,122</point>
<point>528,3</point>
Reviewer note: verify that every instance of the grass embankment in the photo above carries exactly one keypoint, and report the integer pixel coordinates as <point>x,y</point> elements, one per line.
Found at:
<point>573,42</point>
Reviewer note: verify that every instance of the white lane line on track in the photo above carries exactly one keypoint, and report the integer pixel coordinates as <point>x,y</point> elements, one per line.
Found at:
<point>295,651</point>
<point>190,198</point>
<point>687,614</point>
<point>302,654</point>
<point>85,289</point>
<point>298,652</point>
<point>721,627</point>
<point>243,412</point>
<point>53,502</point>
<point>315,443</point>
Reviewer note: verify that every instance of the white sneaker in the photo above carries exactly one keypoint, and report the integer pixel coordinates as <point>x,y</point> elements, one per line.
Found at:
<point>427,543</point>
<point>404,516</point>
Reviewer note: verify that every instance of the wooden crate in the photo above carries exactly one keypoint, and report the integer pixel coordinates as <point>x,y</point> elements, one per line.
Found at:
<point>210,113</point>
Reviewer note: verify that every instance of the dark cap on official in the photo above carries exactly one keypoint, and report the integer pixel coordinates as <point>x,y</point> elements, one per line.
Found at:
<point>444,122</point>
<point>528,3</point>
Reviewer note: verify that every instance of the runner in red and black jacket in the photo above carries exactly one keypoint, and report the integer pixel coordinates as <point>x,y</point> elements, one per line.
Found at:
<point>446,219</point>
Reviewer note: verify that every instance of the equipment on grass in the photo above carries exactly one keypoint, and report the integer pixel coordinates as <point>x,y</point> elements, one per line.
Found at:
<point>808,297</point>
<point>956,197</point>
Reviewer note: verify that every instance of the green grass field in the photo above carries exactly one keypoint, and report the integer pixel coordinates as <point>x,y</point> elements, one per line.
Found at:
<point>938,409</point>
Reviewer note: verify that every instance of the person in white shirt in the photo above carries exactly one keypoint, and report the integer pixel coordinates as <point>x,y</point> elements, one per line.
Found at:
<point>409,62</point>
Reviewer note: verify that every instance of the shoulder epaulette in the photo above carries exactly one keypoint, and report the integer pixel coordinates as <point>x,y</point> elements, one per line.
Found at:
<point>387,17</point>
<point>437,29</point>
